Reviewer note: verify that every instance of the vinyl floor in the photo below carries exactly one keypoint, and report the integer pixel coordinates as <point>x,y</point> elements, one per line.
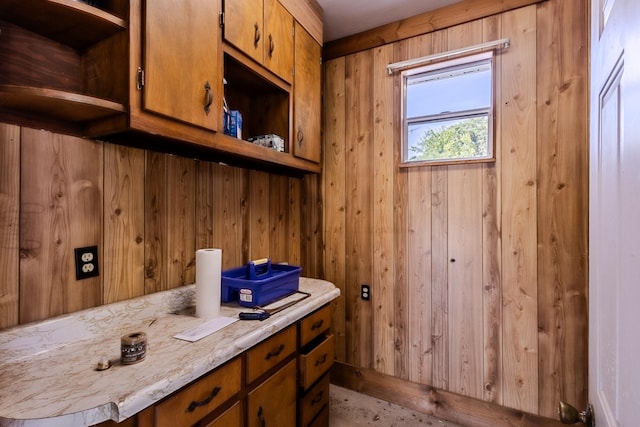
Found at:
<point>348,408</point>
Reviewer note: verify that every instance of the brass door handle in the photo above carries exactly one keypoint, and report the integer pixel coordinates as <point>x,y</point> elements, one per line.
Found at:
<point>570,415</point>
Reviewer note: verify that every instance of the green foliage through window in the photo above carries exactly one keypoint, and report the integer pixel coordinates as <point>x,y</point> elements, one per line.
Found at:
<point>456,139</point>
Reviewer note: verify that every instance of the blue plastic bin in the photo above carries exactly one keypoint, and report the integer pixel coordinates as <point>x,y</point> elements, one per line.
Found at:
<point>259,283</point>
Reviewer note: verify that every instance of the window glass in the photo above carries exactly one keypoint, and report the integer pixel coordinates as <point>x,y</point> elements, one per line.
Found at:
<point>447,111</point>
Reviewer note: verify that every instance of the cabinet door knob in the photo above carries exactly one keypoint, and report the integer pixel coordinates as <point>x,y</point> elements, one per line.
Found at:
<point>208,98</point>
<point>256,36</point>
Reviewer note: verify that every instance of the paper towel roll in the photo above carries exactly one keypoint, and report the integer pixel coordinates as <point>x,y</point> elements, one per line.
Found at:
<point>208,276</point>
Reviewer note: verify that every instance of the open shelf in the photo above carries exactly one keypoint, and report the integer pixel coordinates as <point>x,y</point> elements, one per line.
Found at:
<point>264,100</point>
<point>257,153</point>
<point>69,22</point>
<point>57,104</point>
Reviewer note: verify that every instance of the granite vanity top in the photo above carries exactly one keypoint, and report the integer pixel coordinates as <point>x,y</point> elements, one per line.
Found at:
<point>48,373</point>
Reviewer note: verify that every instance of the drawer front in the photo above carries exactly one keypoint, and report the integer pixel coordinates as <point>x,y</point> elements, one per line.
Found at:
<point>315,399</point>
<point>269,353</point>
<point>315,363</point>
<point>200,398</point>
<point>322,420</point>
<point>230,417</point>
<point>314,324</point>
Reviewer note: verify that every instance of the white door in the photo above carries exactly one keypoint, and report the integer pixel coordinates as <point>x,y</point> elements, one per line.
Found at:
<point>614,228</point>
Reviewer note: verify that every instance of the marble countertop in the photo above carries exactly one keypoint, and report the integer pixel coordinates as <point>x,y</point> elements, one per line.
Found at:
<point>48,373</point>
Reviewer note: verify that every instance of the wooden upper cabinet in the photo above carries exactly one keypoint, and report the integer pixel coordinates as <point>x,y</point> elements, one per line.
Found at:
<point>181,56</point>
<point>156,68</point>
<point>307,98</point>
<point>278,43</point>
<point>262,30</point>
<point>244,26</point>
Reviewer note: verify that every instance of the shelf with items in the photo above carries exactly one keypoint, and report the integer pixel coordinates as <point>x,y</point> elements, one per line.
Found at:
<point>264,102</point>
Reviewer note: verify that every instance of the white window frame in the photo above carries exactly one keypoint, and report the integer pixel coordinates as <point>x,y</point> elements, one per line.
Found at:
<point>489,112</point>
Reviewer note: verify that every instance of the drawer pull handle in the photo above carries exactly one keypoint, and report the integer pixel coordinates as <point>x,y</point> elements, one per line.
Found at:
<point>193,405</point>
<point>317,399</point>
<point>275,353</point>
<point>263,422</point>
<point>317,325</point>
<point>321,360</point>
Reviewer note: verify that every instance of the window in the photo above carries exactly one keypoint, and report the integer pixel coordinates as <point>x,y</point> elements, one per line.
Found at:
<point>447,111</point>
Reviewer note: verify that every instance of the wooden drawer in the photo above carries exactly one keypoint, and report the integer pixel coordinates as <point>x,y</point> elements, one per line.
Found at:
<point>314,400</point>
<point>316,362</point>
<point>230,417</point>
<point>314,324</point>
<point>322,420</point>
<point>194,402</point>
<point>270,352</point>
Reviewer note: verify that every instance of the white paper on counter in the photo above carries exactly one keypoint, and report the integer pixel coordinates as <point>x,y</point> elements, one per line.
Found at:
<point>206,328</point>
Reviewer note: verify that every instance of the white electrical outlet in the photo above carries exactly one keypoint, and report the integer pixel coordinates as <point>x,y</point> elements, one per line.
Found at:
<point>86,262</point>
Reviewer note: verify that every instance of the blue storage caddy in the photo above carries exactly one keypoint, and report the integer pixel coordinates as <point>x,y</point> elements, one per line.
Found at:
<point>259,283</point>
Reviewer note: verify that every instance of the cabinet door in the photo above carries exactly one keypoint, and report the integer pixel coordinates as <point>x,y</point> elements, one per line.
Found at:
<point>244,26</point>
<point>183,76</point>
<point>278,42</point>
<point>273,403</point>
<point>307,97</point>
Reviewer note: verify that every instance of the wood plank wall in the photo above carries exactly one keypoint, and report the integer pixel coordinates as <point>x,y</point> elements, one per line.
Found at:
<point>147,212</point>
<point>478,272</point>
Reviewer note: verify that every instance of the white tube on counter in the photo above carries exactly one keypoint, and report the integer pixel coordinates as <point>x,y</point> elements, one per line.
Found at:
<point>208,277</point>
